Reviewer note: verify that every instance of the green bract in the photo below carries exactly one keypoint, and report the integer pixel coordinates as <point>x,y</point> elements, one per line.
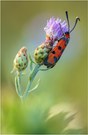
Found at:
<point>21,59</point>
<point>41,52</point>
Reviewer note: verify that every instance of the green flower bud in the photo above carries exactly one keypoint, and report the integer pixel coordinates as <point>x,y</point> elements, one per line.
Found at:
<point>21,59</point>
<point>41,52</point>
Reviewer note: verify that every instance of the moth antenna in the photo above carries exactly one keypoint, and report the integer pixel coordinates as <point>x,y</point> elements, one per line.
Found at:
<point>67,20</point>
<point>77,19</point>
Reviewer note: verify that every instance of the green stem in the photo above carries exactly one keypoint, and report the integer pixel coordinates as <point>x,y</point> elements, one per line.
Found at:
<point>18,85</point>
<point>31,78</point>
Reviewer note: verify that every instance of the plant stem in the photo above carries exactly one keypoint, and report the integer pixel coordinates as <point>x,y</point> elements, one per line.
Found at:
<point>19,83</point>
<point>31,78</point>
<point>16,86</point>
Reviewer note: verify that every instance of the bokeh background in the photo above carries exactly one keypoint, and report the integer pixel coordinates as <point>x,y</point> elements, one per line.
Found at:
<point>59,105</point>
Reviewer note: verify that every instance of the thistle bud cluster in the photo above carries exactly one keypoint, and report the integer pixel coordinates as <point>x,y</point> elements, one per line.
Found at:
<point>54,29</point>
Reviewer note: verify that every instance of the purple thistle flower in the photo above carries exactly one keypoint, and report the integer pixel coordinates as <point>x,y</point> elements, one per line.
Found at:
<point>55,28</point>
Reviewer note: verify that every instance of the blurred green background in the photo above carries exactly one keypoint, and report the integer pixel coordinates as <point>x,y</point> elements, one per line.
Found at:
<point>63,89</point>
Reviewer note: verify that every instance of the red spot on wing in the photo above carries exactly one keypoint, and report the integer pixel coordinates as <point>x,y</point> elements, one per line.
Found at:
<point>51,58</point>
<point>61,43</point>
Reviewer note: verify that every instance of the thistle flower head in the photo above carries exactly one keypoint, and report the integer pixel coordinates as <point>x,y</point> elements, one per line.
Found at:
<point>55,28</point>
<point>21,59</point>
